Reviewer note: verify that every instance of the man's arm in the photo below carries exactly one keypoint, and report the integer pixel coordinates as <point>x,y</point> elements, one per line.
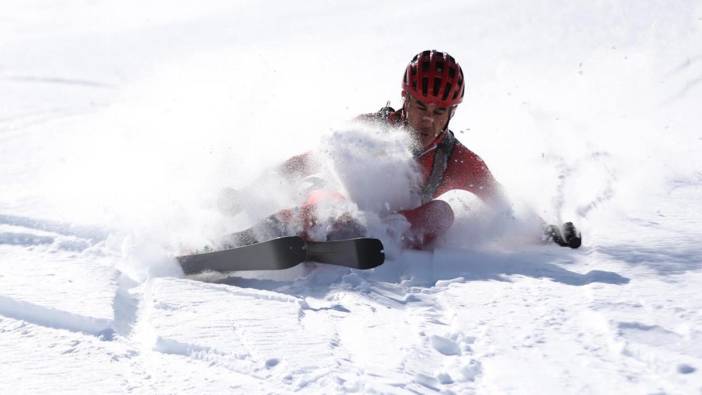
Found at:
<point>467,171</point>
<point>294,171</point>
<point>298,166</point>
<point>471,174</point>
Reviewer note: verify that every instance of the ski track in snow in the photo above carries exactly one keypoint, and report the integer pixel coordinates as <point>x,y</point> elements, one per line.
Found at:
<point>422,323</point>
<point>432,329</point>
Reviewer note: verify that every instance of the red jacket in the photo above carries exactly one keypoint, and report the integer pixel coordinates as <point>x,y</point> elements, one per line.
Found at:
<point>461,169</point>
<point>464,169</point>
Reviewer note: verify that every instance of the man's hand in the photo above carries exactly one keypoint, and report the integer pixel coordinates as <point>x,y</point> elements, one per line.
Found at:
<point>567,236</point>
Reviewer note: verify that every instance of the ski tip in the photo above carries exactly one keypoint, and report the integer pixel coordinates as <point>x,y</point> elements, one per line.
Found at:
<point>370,264</point>
<point>374,261</point>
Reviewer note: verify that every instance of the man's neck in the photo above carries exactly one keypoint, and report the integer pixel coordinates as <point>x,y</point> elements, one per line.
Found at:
<point>431,146</point>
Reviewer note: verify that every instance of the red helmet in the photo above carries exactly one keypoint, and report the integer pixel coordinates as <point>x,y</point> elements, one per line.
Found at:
<point>434,77</point>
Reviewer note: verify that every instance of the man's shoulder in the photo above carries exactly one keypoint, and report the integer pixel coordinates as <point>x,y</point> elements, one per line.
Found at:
<point>299,165</point>
<point>386,115</point>
<point>468,171</point>
<point>464,160</point>
<point>461,151</point>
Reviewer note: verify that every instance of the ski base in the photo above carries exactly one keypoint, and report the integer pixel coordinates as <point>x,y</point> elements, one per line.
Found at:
<point>286,252</point>
<point>277,254</point>
<point>360,253</point>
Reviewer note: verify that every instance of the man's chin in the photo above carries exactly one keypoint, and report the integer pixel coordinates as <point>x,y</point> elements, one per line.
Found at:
<point>425,137</point>
<point>421,138</point>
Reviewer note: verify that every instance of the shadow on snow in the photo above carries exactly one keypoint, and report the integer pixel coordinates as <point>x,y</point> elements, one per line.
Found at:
<point>425,269</point>
<point>664,260</point>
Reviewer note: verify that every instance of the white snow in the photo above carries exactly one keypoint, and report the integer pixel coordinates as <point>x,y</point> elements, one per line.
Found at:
<point>121,123</point>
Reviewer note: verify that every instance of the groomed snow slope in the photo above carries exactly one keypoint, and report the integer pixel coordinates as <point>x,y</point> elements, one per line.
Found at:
<point>120,122</point>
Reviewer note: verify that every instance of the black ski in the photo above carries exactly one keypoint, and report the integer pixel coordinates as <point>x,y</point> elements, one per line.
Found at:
<point>360,253</point>
<point>276,254</point>
<point>286,252</point>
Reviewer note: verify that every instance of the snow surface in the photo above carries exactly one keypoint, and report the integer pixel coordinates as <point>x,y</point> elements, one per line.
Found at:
<point>121,122</point>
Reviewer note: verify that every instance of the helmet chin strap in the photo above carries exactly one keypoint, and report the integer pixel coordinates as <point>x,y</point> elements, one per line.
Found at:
<point>452,111</point>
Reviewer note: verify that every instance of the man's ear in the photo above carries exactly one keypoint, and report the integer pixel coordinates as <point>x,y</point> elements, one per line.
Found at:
<point>452,111</point>
<point>404,100</point>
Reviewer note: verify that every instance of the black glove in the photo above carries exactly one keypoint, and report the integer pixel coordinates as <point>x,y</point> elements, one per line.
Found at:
<point>567,236</point>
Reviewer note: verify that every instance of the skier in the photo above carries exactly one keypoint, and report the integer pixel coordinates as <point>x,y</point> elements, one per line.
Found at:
<point>433,85</point>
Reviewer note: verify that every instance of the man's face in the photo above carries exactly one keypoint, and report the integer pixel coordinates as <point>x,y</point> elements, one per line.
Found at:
<point>425,120</point>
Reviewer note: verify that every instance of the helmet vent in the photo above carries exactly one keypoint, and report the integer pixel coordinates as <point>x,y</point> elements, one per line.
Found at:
<point>425,66</point>
<point>446,91</point>
<point>452,72</point>
<point>437,86</point>
<point>425,85</point>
